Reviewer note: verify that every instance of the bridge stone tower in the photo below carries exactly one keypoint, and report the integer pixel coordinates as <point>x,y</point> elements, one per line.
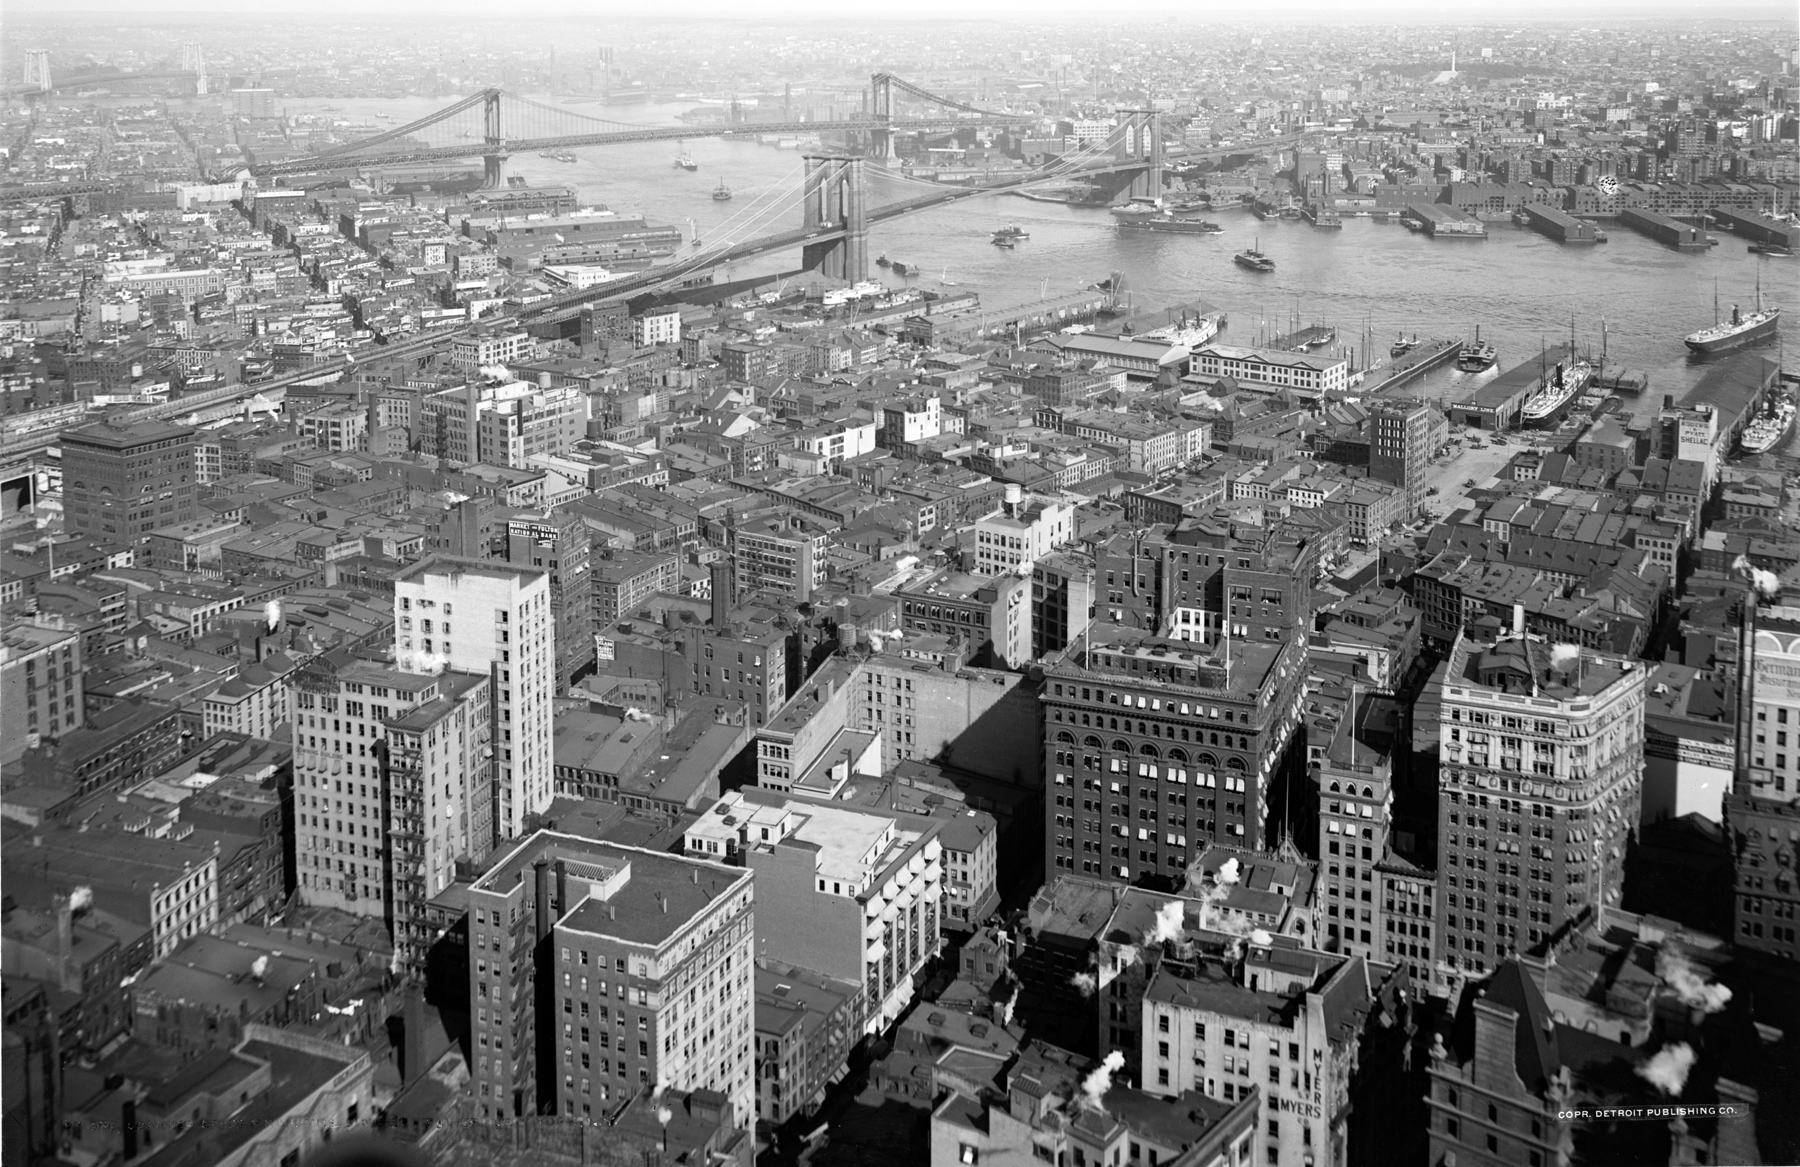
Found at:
<point>832,195</point>
<point>1138,137</point>
<point>881,138</point>
<point>493,158</point>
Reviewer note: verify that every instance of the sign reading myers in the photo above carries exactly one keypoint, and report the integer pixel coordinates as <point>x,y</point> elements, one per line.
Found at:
<point>1302,1108</point>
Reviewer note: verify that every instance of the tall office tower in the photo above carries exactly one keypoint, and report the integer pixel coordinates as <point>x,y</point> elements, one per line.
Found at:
<point>1762,812</point>
<point>598,971</point>
<point>1541,753</point>
<point>475,615</point>
<point>390,788</point>
<point>1355,796</point>
<point>1156,748</point>
<point>560,544</point>
<point>120,483</point>
<point>1403,436</point>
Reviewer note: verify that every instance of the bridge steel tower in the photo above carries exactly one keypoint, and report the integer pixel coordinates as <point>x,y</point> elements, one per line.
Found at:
<point>193,60</point>
<point>1139,138</point>
<point>833,195</point>
<point>493,158</point>
<point>37,68</point>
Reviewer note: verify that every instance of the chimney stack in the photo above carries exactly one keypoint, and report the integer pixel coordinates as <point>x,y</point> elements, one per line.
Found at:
<point>723,597</point>
<point>413,1051</point>
<point>541,873</point>
<point>65,942</point>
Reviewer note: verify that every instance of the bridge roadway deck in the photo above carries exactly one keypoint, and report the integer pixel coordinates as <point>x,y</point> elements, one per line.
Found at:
<point>476,148</point>
<point>25,445</point>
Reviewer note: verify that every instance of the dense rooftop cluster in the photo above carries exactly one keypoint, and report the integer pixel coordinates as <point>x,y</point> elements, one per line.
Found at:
<point>989,731</point>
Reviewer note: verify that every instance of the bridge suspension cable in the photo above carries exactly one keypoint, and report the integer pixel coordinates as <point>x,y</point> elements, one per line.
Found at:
<point>718,244</point>
<point>407,130</point>
<point>926,95</point>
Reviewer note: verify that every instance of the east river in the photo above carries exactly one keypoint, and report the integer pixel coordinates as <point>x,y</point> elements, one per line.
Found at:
<point>1521,288</point>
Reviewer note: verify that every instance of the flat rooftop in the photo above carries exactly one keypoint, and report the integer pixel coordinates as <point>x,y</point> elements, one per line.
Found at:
<point>661,895</point>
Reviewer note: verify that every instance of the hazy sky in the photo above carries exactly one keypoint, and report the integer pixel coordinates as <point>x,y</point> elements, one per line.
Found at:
<point>1138,11</point>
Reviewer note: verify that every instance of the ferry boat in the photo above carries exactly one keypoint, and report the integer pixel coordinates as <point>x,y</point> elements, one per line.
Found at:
<point>1253,258</point>
<point>1477,355</point>
<point>1769,249</point>
<point>1770,429</point>
<point>1012,231</point>
<point>1170,224</point>
<point>723,193</point>
<point>1742,328</point>
<point>1556,391</point>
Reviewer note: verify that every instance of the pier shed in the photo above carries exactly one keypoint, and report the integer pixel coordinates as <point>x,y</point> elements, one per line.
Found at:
<point>1664,229</point>
<point>1496,405</point>
<point>1760,228</point>
<point>1445,222</point>
<point>1559,225</point>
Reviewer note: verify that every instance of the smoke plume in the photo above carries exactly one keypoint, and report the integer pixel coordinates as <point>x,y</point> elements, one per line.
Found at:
<point>1096,1084</point>
<point>259,968</point>
<point>1084,982</point>
<point>1228,872</point>
<point>1564,656</point>
<point>81,899</point>
<point>1687,983</point>
<point>1766,583</point>
<point>1668,1069</point>
<point>1168,924</point>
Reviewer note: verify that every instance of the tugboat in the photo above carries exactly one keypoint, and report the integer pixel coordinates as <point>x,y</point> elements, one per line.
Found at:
<point>1138,207</point>
<point>685,161</point>
<point>883,261</point>
<point>1403,346</point>
<point>723,193</point>
<point>1253,259</point>
<point>1740,329</point>
<point>1011,231</point>
<point>1005,241</point>
<point>1477,355</point>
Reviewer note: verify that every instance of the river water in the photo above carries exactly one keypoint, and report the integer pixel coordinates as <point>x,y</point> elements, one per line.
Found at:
<point>1520,287</point>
